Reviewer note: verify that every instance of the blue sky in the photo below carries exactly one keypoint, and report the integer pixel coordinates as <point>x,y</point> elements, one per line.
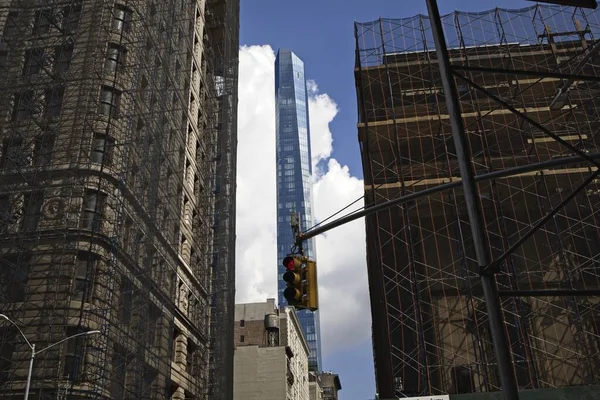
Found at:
<point>321,34</point>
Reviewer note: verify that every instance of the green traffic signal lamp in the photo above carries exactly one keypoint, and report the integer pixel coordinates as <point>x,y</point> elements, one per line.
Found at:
<point>293,293</point>
<point>294,279</point>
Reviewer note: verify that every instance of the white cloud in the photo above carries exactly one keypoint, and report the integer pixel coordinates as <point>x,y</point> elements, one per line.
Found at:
<point>256,208</point>
<point>321,111</point>
<point>344,303</point>
<point>343,294</point>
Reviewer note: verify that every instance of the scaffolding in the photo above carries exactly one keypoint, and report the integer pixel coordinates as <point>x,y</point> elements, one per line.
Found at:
<point>223,25</point>
<point>528,87</point>
<point>115,139</point>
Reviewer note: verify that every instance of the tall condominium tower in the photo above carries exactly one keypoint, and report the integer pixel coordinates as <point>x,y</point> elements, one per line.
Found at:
<point>431,332</point>
<point>294,179</point>
<point>117,196</point>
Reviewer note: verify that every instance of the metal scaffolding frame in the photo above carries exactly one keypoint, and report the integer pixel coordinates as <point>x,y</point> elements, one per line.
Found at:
<point>116,142</point>
<point>514,203</point>
<point>224,26</point>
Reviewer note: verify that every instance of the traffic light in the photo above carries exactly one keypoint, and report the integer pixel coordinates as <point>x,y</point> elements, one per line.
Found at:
<point>294,278</point>
<point>301,279</point>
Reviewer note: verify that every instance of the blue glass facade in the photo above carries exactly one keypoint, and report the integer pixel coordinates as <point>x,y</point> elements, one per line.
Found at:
<point>294,179</point>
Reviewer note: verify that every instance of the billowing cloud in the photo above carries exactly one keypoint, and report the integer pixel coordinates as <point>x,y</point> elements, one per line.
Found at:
<point>321,111</point>
<point>344,305</point>
<point>256,231</point>
<point>341,257</point>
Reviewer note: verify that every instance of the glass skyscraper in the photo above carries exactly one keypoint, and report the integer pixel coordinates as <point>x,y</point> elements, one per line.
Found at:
<point>294,179</point>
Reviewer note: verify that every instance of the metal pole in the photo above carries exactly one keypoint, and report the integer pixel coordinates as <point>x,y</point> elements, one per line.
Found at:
<point>33,352</point>
<point>30,371</point>
<point>550,293</point>
<point>488,281</point>
<point>498,174</point>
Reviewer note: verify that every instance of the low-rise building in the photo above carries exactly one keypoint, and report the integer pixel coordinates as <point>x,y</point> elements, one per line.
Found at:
<point>315,391</point>
<point>330,383</point>
<point>271,354</point>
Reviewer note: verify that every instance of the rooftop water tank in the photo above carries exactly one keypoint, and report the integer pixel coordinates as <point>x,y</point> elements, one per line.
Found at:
<point>271,322</point>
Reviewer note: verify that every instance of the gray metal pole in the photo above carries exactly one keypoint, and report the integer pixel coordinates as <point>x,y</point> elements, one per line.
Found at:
<point>30,371</point>
<point>488,281</point>
<point>497,174</point>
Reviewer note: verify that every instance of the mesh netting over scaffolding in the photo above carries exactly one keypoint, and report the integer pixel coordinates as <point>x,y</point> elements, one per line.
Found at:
<point>430,327</point>
<point>116,202</point>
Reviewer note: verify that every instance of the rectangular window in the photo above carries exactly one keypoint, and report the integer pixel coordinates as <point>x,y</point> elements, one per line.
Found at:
<point>115,58</point>
<point>462,380</point>
<point>74,353</point>
<point>119,373</point>
<point>241,338</point>
<point>12,24</point>
<point>176,333</point>
<point>6,213</point>
<point>62,58</point>
<point>128,235</point>
<point>242,323</point>
<point>42,21</point>
<point>102,148</point>
<point>126,301</point>
<point>150,375</point>
<point>138,246</point>
<point>32,210</point>
<point>53,99</point>
<point>82,285</point>
<point>153,325</point>
<point>23,105</point>
<point>3,60</point>
<point>14,273</point>
<point>14,154</point>
<point>43,148</point>
<point>109,101</point>
<point>190,358</point>
<point>8,341</point>
<point>122,18</point>
<point>71,15</point>
<point>34,61</point>
<point>93,209</point>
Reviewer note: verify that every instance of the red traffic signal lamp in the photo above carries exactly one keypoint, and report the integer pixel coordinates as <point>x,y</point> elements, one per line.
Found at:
<point>301,280</point>
<point>292,263</point>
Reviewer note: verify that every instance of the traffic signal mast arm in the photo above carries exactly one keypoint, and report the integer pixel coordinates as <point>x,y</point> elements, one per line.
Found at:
<point>556,162</point>
<point>571,3</point>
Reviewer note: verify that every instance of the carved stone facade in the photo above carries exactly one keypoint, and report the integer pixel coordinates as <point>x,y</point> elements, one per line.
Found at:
<point>110,122</point>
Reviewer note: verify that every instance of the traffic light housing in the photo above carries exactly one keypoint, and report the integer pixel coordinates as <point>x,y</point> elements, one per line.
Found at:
<point>294,278</point>
<point>301,280</point>
<point>312,293</point>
